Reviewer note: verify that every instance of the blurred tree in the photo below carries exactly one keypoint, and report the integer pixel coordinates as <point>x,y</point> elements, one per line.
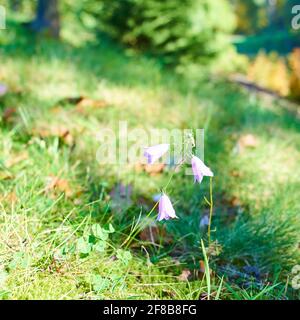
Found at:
<point>180,31</point>
<point>47,18</point>
<point>254,16</point>
<point>251,15</point>
<point>294,60</point>
<point>16,5</point>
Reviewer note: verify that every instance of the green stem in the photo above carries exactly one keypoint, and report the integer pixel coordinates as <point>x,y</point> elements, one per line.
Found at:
<point>140,226</point>
<point>170,179</point>
<point>211,205</point>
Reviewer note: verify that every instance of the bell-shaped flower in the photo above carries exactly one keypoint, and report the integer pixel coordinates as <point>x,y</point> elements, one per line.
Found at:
<point>165,209</point>
<point>155,152</point>
<point>200,169</point>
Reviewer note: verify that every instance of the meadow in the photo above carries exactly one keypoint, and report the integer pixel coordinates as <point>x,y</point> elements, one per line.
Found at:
<point>66,222</point>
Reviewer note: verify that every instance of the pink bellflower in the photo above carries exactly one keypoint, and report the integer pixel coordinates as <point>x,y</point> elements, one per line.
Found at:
<point>155,152</point>
<point>165,209</point>
<point>200,169</point>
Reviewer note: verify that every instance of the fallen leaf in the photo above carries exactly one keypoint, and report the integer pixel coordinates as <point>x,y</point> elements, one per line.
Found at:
<point>201,271</point>
<point>235,173</point>
<point>154,169</point>
<point>12,197</point>
<point>57,184</point>
<point>57,110</point>
<point>90,103</point>
<point>185,275</point>
<point>54,131</point>
<point>66,136</point>
<point>9,198</point>
<point>139,167</point>
<point>83,104</point>
<point>202,266</point>
<point>71,100</point>
<point>16,158</point>
<point>8,114</point>
<point>246,141</point>
<point>5,175</point>
<point>234,201</point>
<point>151,169</point>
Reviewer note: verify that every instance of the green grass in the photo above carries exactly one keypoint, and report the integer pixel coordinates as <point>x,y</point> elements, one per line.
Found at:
<point>48,248</point>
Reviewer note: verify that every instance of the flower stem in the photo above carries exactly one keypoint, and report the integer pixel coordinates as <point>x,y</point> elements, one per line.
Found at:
<point>139,227</point>
<point>211,205</point>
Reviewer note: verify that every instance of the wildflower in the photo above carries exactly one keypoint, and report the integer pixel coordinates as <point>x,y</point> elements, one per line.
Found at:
<point>200,169</point>
<point>3,89</point>
<point>155,152</point>
<point>165,209</point>
<point>204,221</point>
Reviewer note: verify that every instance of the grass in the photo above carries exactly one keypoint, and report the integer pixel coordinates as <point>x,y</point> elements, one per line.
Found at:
<point>65,241</point>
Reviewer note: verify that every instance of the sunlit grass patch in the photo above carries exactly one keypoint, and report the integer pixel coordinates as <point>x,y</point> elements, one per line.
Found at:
<point>54,192</point>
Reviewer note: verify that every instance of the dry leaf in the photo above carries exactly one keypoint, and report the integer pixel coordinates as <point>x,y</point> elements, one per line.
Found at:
<point>83,104</point>
<point>235,173</point>
<point>185,275</point>
<point>9,198</point>
<point>16,158</point>
<point>57,110</point>
<point>202,266</point>
<point>54,131</point>
<point>139,167</point>
<point>201,271</point>
<point>8,114</point>
<point>234,201</point>
<point>71,100</point>
<point>66,136</point>
<point>152,169</point>
<point>90,103</point>
<point>5,175</point>
<point>56,184</point>
<point>246,141</point>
